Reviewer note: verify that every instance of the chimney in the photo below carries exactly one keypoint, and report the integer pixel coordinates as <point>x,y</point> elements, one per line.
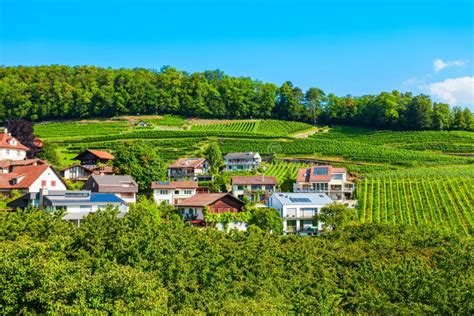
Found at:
<point>5,130</point>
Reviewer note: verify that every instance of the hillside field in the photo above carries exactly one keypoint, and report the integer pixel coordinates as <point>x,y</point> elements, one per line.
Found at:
<point>418,177</point>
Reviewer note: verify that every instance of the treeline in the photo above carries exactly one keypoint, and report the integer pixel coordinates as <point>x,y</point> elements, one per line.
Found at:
<point>151,262</point>
<point>62,92</point>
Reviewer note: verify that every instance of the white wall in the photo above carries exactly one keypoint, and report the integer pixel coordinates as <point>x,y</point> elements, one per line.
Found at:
<point>12,154</point>
<point>171,195</point>
<point>48,175</point>
<point>75,172</point>
<point>128,199</point>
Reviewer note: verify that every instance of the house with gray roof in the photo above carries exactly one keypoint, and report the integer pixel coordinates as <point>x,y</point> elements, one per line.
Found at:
<point>123,186</point>
<point>297,209</point>
<point>242,161</point>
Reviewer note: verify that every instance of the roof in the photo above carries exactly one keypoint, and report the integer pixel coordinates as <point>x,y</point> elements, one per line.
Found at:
<point>205,199</point>
<point>5,142</point>
<point>175,185</point>
<point>246,155</point>
<point>98,153</point>
<point>57,198</point>
<point>289,198</point>
<point>318,173</point>
<point>188,163</point>
<point>4,164</point>
<point>27,175</point>
<point>254,180</point>
<point>115,183</point>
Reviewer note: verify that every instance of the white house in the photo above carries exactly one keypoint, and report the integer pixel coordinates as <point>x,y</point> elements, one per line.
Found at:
<point>31,178</point>
<point>325,179</point>
<point>173,192</point>
<point>298,209</point>
<point>255,188</point>
<point>76,204</point>
<point>242,161</point>
<point>11,148</point>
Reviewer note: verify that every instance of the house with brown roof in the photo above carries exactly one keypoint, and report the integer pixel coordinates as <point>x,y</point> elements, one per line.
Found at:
<point>121,185</point>
<point>325,179</point>
<point>7,166</point>
<point>192,209</point>
<point>255,188</point>
<point>188,168</point>
<point>173,192</point>
<point>82,173</point>
<point>91,158</point>
<point>31,178</point>
<point>242,161</point>
<point>11,148</point>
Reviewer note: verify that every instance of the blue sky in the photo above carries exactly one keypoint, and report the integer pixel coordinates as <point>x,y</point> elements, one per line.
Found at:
<point>341,46</point>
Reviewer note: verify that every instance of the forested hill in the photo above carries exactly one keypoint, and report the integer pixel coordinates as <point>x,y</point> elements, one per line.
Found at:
<point>62,92</point>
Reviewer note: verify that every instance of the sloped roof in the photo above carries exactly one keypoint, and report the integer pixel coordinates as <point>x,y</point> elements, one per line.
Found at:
<point>5,139</point>
<point>309,174</point>
<point>29,175</point>
<point>205,199</point>
<point>4,164</point>
<point>115,183</point>
<point>246,155</point>
<point>98,153</point>
<point>187,162</point>
<point>290,198</point>
<point>254,180</point>
<point>175,185</point>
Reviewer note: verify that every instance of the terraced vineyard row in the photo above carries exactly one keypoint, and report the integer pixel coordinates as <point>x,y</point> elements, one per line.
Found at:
<point>280,170</point>
<point>444,202</point>
<point>238,126</point>
<point>268,127</point>
<point>62,130</point>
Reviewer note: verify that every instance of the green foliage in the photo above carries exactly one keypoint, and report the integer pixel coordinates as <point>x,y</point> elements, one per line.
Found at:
<point>334,216</point>
<point>144,263</point>
<point>140,161</point>
<point>268,219</point>
<point>49,152</point>
<point>214,156</point>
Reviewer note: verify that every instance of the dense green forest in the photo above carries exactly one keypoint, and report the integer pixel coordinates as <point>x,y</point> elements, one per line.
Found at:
<point>150,261</point>
<point>62,92</point>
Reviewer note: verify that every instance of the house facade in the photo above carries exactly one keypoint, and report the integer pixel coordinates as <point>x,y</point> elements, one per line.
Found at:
<point>173,192</point>
<point>76,204</point>
<point>82,173</point>
<point>325,179</point>
<point>192,209</point>
<point>11,148</point>
<point>91,158</point>
<point>255,188</point>
<point>31,179</point>
<point>123,186</point>
<point>188,168</point>
<point>242,161</point>
<point>297,209</point>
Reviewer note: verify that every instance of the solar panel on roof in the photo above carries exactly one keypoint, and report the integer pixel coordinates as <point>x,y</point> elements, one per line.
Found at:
<point>321,171</point>
<point>299,200</point>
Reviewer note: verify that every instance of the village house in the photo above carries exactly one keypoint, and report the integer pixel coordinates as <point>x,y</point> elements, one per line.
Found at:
<point>82,173</point>
<point>297,209</point>
<point>192,209</point>
<point>188,168</point>
<point>7,166</point>
<point>122,186</point>
<point>255,188</point>
<point>76,204</point>
<point>11,148</point>
<point>242,161</point>
<point>173,192</point>
<point>325,179</point>
<point>91,158</point>
<point>31,177</point>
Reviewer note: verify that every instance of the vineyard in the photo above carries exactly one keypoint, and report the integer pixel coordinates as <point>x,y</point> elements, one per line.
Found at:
<point>444,202</point>
<point>266,127</point>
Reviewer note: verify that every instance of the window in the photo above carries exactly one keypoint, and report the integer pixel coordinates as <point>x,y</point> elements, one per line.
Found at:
<point>176,191</point>
<point>8,151</point>
<point>18,153</point>
<point>240,187</point>
<point>43,183</point>
<point>53,183</point>
<point>291,212</point>
<point>188,192</point>
<point>337,176</point>
<point>163,192</point>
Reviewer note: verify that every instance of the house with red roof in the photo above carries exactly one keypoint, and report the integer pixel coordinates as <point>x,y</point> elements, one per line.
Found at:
<point>173,192</point>
<point>30,178</point>
<point>92,158</point>
<point>192,209</point>
<point>11,148</point>
<point>325,179</point>
<point>188,168</point>
<point>255,188</point>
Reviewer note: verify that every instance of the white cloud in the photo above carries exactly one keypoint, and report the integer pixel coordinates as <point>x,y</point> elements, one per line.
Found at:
<point>455,91</point>
<point>439,64</point>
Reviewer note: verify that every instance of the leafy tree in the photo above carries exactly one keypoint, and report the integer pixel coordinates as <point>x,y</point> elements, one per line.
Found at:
<point>333,216</point>
<point>49,152</point>
<point>23,131</point>
<point>214,156</point>
<point>314,99</point>
<point>218,184</point>
<point>141,161</point>
<point>440,116</point>
<point>268,219</point>
<point>287,183</point>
